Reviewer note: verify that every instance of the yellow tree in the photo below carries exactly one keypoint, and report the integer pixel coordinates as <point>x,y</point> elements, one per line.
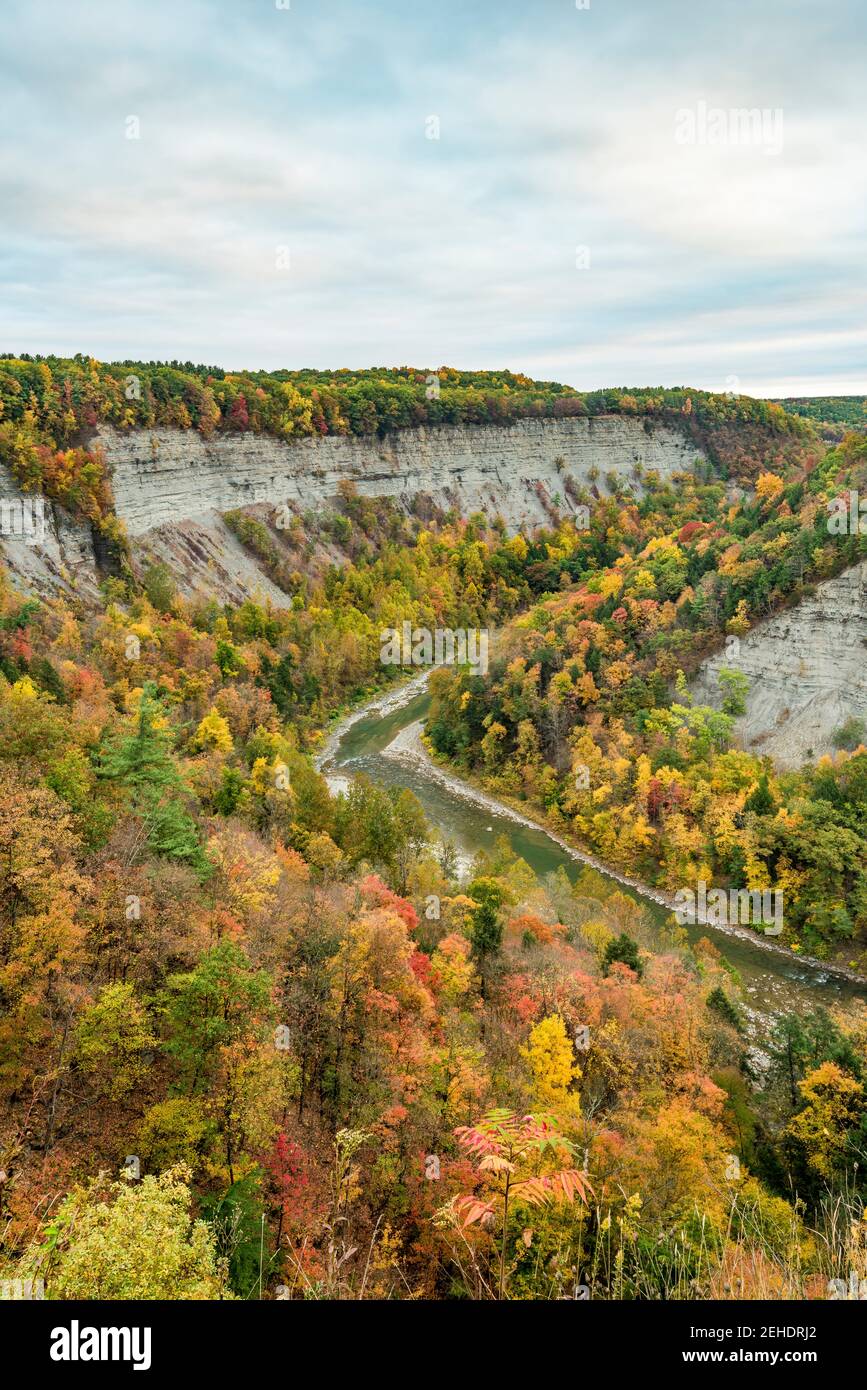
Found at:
<point>768,487</point>
<point>834,1103</point>
<point>550,1055</point>
<point>41,927</point>
<point>213,732</point>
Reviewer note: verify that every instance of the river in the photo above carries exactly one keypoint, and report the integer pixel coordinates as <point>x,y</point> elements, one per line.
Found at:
<point>381,739</point>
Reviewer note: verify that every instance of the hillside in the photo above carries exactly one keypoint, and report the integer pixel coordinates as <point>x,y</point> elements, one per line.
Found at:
<point>262,1039</point>
<point>170,489</point>
<point>834,414</point>
<point>806,673</point>
<point>673,788</point>
<point>52,409</point>
<point>140,461</point>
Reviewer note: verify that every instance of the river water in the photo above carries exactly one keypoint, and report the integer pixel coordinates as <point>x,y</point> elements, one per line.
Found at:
<point>381,741</point>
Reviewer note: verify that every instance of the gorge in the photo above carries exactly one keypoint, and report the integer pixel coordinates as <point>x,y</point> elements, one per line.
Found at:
<point>274,895</point>
<point>170,487</point>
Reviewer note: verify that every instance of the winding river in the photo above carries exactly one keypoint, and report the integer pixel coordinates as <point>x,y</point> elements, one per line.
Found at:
<point>381,739</point>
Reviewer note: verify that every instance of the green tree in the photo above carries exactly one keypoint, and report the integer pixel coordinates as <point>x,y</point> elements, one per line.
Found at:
<point>174,1131</point>
<point>760,799</point>
<point>222,1000</point>
<point>384,826</point>
<point>625,950</point>
<point>111,1038</point>
<point>734,686</point>
<point>833,1105</point>
<point>412,835</point>
<point>160,587</point>
<point>803,1042</point>
<point>142,762</point>
<point>237,1219</point>
<point>850,734</point>
<point>229,791</point>
<point>228,658</point>
<point>72,777</point>
<point>719,1001</point>
<point>486,923</point>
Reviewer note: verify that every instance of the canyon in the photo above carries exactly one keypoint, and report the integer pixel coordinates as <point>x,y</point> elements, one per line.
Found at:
<point>172,487</point>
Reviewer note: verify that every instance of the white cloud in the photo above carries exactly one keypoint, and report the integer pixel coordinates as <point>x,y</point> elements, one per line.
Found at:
<point>264,128</point>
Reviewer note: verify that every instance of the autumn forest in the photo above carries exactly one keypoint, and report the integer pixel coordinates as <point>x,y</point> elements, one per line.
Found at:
<point>266,1036</point>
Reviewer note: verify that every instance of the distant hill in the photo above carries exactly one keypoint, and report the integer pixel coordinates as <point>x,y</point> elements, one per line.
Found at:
<point>835,414</point>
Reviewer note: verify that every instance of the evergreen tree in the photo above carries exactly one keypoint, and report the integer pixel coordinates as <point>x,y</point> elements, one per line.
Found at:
<point>719,1001</point>
<point>486,929</point>
<point>803,1043</point>
<point>143,763</point>
<point>625,950</point>
<point>760,799</point>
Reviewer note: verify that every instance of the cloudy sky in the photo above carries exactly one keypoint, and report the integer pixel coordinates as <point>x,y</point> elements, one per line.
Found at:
<point>287,202</point>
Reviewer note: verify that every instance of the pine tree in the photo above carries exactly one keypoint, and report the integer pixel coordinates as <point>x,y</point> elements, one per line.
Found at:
<point>719,1001</point>
<point>143,763</point>
<point>625,950</point>
<point>486,929</point>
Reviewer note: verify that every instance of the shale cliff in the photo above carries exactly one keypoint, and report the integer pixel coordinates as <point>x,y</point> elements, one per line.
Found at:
<point>163,475</point>
<point>171,486</point>
<point>807,672</point>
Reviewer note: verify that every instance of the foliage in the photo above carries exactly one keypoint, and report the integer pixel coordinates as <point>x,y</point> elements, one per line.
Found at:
<point>515,1155</point>
<point>382,1079</point>
<point>586,712</point>
<point>143,765</point>
<point>133,1242</point>
<point>624,950</point>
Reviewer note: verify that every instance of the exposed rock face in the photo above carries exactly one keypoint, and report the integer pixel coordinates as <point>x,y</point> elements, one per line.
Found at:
<point>171,486</point>
<point>165,475</point>
<point>207,559</point>
<point>44,547</point>
<point>806,667</point>
<point>807,670</point>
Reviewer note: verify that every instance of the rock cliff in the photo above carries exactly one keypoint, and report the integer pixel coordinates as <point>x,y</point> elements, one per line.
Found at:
<point>163,475</point>
<point>807,672</point>
<point>171,487</point>
<point>806,667</point>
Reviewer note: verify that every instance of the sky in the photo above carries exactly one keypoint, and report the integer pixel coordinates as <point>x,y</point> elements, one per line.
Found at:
<point>528,184</point>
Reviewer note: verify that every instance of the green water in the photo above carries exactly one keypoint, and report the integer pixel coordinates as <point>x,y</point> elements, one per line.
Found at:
<point>773,983</point>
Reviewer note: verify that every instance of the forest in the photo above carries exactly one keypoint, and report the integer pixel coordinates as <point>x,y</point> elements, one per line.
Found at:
<point>596,676</point>
<point>262,1039</point>
<point>838,413</point>
<point>51,410</point>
